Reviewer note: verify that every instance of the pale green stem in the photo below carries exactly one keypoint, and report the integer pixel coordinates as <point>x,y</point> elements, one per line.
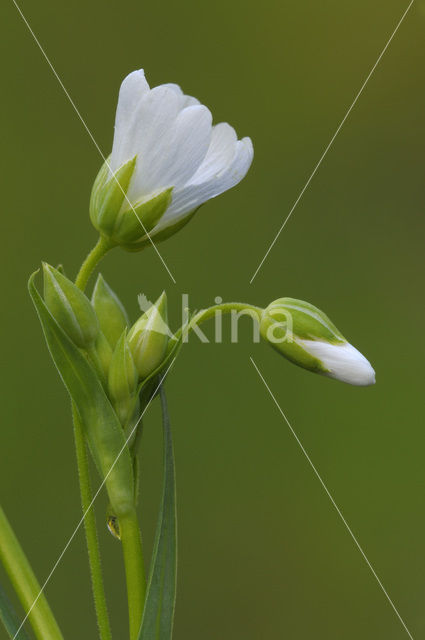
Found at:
<point>90,530</point>
<point>26,585</point>
<point>96,254</point>
<point>134,570</point>
<point>226,307</point>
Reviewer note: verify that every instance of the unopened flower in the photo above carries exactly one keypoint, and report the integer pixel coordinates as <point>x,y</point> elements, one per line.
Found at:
<point>122,379</point>
<point>306,336</point>
<point>148,338</point>
<point>167,159</point>
<point>70,308</point>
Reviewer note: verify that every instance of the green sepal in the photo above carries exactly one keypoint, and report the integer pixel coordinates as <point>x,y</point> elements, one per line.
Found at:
<point>148,337</point>
<point>158,612</point>
<point>161,235</point>
<point>96,191</point>
<point>308,322</point>
<point>104,354</point>
<point>296,354</point>
<point>149,385</point>
<point>133,224</point>
<point>108,195</point>
<point>70,307</point>
<point>110,311</point>
<point>100,423</point>
<point>10,619</point>
<point>122,380</point>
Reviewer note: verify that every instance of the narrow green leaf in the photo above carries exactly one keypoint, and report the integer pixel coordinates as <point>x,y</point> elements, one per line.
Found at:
<point>10,618</point>
<point>158,613</point>
<point>102,428</point>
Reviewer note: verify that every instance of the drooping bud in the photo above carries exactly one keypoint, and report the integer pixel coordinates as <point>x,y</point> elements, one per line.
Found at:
<point>306,336</point>
<point>149,336</point>
<point>70,308</point>
<point>122,380</point>
<point>110,311</point>
<point>115,216</point>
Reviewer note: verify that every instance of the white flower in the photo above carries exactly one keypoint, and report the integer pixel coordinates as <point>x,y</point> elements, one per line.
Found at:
<point>341,361</point>
<point>176,147</point>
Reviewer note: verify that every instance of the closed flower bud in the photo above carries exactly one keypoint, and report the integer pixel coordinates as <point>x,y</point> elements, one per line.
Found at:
<point>306,336</point>
<point>148,338</point>
<point>122,379</point>
<point>110,311</point>
<point>70,308</point>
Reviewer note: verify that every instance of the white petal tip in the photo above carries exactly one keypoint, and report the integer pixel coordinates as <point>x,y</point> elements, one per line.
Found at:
<point>343,362</point>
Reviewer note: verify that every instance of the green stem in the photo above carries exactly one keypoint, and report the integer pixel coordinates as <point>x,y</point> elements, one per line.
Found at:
<point>96,254</point>
<point>90,529</point>
<point>134,570</point>
<point>227,307</point>
<point>26,585</point>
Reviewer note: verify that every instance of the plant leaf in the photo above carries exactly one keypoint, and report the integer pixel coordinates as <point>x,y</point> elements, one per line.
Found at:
<point>158,613</point>
<point>10,618</point>
<point>102,428</point>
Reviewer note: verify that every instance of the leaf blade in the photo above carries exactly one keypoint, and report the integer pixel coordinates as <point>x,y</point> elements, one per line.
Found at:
<point>158,614</point>
<point>10,619</point>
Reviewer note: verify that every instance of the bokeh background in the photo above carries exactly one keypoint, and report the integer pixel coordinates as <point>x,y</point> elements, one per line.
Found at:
<point>262,551</point>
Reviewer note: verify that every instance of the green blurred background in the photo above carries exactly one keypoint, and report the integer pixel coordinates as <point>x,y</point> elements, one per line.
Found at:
<point>262,551</point>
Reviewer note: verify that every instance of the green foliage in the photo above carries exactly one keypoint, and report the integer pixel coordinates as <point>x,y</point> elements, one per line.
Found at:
<point>100,423</point>
<point>10,618</point>
<point>158,613</point>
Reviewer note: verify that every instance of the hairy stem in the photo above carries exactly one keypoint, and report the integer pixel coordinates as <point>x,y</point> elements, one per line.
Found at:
<point>93,258</point>
<point>90,530</point>
<point>134,570</point>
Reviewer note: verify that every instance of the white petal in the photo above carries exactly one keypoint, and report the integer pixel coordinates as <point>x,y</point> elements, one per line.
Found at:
<point>153,122</point>
<point>220,153</point>
<point>192,196</point>
<point>175,155</point>
<point>343,361</point>
<point>187,101</point>
<point>132,90</point>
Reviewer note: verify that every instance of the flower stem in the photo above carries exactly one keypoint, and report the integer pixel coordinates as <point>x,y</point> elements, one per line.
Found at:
<point>26,585</point>
<point>102,246</point>
<point>96,254</point>
<point>227,307</point>
<point>90,529</point>
<point>134,570</point>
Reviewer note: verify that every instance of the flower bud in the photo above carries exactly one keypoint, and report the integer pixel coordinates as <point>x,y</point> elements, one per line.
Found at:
<point>306,336</point>
<point>114,216</point>
<point>110,311</point>
<point>122,379</point>
<point>148,338</point>
<point>70,308</point>
<point>104,353</point>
